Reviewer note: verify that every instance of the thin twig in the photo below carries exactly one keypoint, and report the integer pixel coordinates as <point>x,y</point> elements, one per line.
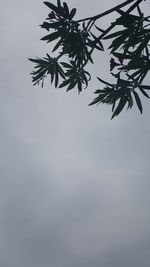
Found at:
<point>110,11</point>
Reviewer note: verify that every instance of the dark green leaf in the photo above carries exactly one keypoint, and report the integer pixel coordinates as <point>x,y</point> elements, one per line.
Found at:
<point>52,25</point>
<point>79,86</point>
<point>126,19</point>
<point>53,7</point>
<point>130,101</point>
<point>142,45</point>
<point>61,72</point>
<point>72,13</point>
<point>146,87</point>
<point>66,9</point>
<point>51,37</point>
<point>39,76</point>
<point>135,74</point>
<point>112,35</point>
<point>143,92</point>
<point>99,29</point>
<point>58,3</point>
<point>66,65</point>
<point>119,108</point>
<point>102,81</point>
<point>64,83</point>
<point>138,101</point>
<point>51,72</point>
<point>57,45</point>
<point>95,101</point>
<point>88,74</point>
<point>56,77</point>
<point>71,85</point>
<point>39,61</point>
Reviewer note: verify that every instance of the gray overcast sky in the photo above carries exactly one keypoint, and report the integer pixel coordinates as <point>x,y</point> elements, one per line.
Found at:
<point>74,185</point>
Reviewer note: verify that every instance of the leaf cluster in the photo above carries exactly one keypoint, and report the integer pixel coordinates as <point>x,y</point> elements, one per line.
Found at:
<point>133,41</point>
<point>75,41</point>
<point>120,95</point>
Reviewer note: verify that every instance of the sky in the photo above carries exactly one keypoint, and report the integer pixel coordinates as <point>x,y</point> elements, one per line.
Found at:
<point>74,185</point>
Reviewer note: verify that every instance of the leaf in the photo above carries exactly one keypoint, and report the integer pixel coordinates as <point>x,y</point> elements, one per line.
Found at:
<point>95,43</point>
<point>51,37</point>
<point>138,101</point>
<point>72,13</point>
<point>102,81</point>
<point>135,74</point>
<point>66,9</point>
<point>126,19</point>
<point>58,10</point>
<point>130,101</point>
<point>116,43</point>
<point>100,45</point>
<point>71,85</point>
<point>79,86</point>
<point>39,61</point>
<point>88,74</point>
<point>58,3</point>
<point>95,101</point>
<point>124,83</point>
<point>119,108</point>
<point>146,87</point>
<point>39,76</point>
<point>61,72</point>
<point>52,25</point>
<point>56,77</point>
<point>99,29</point>
<point>85,79</point>
<point>57,45</point>
<point>51,72</point>
<point>64,83</point>
<point>53,7</point>
<point>143,92</point>
<point>45,25</point>
<point>112,35</point>
<point>66,65</point>
<point>142,45</point>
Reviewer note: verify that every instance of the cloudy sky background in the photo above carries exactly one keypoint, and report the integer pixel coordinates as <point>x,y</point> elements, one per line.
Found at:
<point>74,185</point>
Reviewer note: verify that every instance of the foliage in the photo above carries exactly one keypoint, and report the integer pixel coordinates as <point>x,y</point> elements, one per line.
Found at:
<point>74,41</point>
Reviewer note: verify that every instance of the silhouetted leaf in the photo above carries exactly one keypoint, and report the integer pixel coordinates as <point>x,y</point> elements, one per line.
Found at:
<point>58,3</point>
<point>72,85</point>
<point>142,45</point>
<point>102,81</point>
<point>119,108</point>
<point>138,101</point>
<point>38,60</point>
<point>98,28</point>
<point>72,13</point>
<point>52,25</point>
<point>146,87</point>
<point>64,83</point>
<point>53,7</point>
<point>143,92</point>
<point>126,19</point>
<point>119,41</point>
<point>51,37</point>
<point>57,45</point>
<point>130,101</point>
<point>114,34</point>
<point>66,9</point>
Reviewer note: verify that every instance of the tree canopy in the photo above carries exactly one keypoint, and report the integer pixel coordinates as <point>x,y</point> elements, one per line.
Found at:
<point>75,40</point>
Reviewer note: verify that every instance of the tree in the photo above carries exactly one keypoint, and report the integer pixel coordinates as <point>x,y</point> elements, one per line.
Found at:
<point>75,41</point>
